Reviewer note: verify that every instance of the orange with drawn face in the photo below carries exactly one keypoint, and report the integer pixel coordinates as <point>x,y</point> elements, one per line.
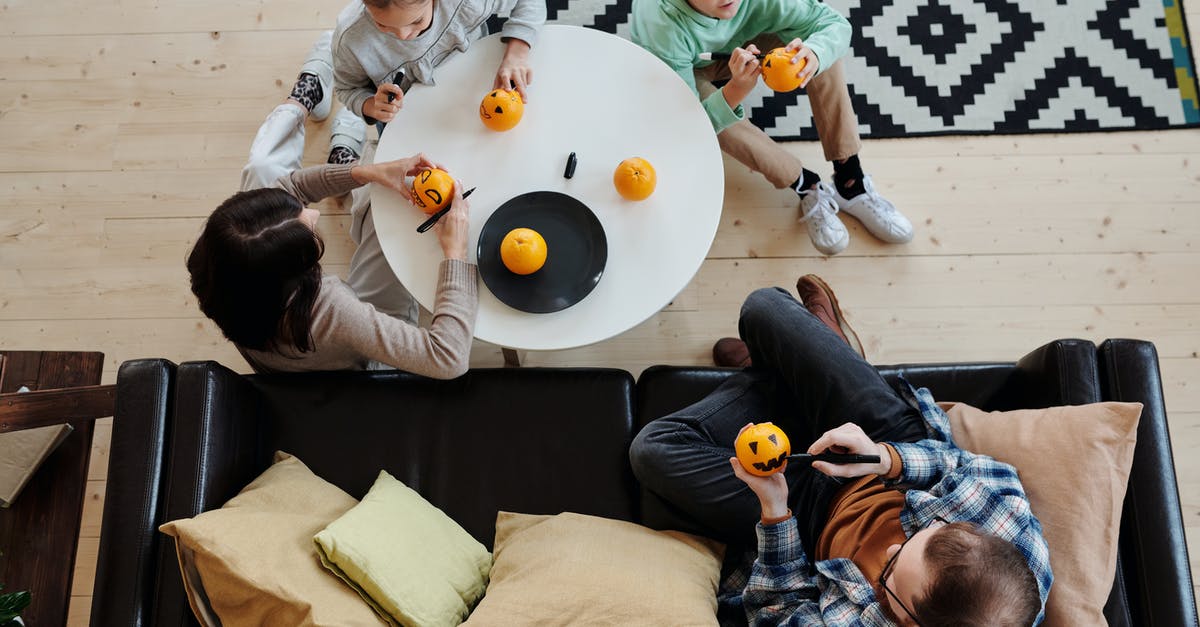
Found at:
<point>762,449</point>
<point>501,109</point>
<point>433,189</point>
<point>778,72</point>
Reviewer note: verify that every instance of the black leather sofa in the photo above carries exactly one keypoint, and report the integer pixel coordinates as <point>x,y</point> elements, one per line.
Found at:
<point>187,438</point>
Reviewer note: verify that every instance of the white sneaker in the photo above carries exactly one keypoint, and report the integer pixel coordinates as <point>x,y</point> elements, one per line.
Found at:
<point>347,130</point>
<point>320,63</point>
<point>819,211</point>
<point>878,214</point>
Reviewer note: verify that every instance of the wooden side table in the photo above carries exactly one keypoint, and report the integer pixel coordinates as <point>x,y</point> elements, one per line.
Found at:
<point>39,533</point>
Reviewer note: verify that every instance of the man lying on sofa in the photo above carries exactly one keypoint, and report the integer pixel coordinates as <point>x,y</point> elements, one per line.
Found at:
<point>931,535</point>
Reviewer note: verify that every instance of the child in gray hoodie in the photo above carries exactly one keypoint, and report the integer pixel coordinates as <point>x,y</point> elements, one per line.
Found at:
<point>375,39</point>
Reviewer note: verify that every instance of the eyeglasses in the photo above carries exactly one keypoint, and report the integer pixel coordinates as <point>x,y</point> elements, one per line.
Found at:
<point>891,564</point>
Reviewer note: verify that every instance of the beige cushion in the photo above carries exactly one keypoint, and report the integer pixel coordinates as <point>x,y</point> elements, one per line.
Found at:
<point>572,569</point>
<point>408,560</point>
<point>254,562</point>
<point>1074,463</point>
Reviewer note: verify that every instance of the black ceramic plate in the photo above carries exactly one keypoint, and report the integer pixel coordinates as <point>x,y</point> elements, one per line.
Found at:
<point>575,245</point>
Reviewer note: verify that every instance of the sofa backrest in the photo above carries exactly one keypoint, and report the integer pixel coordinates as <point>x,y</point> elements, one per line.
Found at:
<point>529,440</point>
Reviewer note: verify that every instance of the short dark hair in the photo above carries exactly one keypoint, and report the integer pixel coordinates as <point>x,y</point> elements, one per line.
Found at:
<point>978,579</point>
<point>256,270</point>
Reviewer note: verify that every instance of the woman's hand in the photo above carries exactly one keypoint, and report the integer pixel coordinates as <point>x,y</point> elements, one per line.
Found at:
<point>452,228</point>
<point>772,490</point>
<point>379,108</point>
<point>391,174</point>
<point>514,71</point>
<point>801,52</point>
<point>744,70</point>
<point>850,438</point>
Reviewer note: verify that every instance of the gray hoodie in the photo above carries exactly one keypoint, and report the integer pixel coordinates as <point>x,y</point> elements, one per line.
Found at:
<point>364,57</point>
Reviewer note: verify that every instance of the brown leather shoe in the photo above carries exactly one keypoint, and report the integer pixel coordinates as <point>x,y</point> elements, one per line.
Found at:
<point>819,299</point>
<point>731,352</point>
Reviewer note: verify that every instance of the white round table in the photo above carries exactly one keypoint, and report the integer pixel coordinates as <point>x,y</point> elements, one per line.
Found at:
<point>603,98</point>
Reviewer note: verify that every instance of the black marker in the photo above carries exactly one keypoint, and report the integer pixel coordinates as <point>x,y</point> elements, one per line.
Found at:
<point>428,224</point>
<point>723,56</point>
<point>834,458</point>
<point>396,81</point>
<point>570,171</point>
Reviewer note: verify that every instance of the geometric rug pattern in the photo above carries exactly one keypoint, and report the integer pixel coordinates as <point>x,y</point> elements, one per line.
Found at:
<point>950,67</point>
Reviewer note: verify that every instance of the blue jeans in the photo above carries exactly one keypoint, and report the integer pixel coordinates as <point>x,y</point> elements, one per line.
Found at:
<point>806,380</point>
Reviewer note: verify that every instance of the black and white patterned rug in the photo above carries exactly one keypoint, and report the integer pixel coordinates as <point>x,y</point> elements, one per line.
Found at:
<point>951,67</point>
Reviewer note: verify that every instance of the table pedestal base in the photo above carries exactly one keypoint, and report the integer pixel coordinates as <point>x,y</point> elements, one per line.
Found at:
<point>512,357</point>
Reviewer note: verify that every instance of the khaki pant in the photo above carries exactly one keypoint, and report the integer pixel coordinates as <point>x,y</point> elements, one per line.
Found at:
<point>833,115</point>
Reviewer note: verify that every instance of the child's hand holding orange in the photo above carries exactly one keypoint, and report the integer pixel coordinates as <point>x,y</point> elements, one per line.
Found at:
<point>805,54</point>
<point>514,71</point>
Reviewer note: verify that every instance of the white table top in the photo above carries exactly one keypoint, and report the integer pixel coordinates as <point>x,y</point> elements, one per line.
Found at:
<point>603,98</point>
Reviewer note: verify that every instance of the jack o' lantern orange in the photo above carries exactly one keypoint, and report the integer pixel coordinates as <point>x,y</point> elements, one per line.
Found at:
<point>762,449</point>
<point>778,72</point>
<point>433,189</point>
<point>501,109</point>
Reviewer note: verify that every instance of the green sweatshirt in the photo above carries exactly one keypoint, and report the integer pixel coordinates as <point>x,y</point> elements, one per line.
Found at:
<point>676,33</point>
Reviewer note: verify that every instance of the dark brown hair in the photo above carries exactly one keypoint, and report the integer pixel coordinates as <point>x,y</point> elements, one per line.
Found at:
<point>256,270</point>
<point>978,579</point>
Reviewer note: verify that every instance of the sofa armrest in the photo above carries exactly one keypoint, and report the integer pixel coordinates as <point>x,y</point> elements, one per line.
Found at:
<point>1062,372</point>
<point>1154,559</point>
<point>211,457</point>
<point>129,539</point>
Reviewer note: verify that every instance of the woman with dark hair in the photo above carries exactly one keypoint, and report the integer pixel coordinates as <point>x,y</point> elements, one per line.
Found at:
<point>256,272</point>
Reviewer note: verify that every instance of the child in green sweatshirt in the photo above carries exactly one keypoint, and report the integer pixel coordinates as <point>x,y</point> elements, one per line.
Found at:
<point>679,31</point>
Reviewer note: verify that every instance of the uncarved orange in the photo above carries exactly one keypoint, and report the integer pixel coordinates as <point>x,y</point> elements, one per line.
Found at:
<point>433,189</point>
<point>523,251</point>
<point>635,178</point>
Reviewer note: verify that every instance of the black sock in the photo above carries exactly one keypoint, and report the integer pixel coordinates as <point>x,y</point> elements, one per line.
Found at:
<point>848,176</point>
<point>342,154</point>
<point>307,90</point>
<point>807,180</point>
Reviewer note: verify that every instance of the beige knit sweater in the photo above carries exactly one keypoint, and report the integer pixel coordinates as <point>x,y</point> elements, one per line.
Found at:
<point>349,334</point>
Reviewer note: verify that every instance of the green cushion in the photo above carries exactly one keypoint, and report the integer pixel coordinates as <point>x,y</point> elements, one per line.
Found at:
<point>406,558</point>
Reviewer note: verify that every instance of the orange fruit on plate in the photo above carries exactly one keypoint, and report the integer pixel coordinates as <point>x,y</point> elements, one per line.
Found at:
<point>523,251</point>
<point>635,178</point>
<point>433,189</point>
<point>501,109</point>
<point>778,72</point>
<point>762,449</point>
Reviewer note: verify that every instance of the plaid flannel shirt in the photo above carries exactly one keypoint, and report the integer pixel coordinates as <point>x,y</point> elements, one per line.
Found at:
<point>783,587</point>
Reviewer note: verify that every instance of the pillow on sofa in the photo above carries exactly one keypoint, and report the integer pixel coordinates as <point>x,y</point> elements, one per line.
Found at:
<point>252,562</point>
<point>576,569</point>
<point>1074,462</point>
<point>408,560</point>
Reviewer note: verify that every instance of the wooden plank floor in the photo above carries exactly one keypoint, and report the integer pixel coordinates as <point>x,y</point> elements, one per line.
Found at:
<point>125,121</point>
